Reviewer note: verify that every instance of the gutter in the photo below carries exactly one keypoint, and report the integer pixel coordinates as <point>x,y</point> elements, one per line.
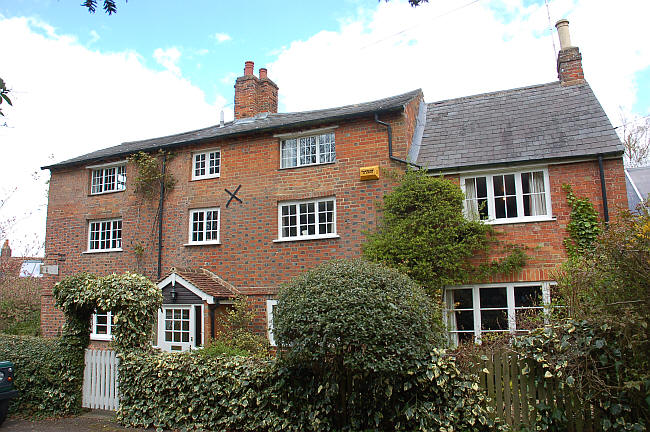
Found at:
<point>389,130</point>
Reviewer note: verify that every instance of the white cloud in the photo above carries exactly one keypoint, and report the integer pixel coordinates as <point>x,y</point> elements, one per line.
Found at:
<point>69,100</point>
<point>229,78</point>
<point>222,37</point>
<point>94,37</point>
<point>168,58</point>
<point>451,52</point>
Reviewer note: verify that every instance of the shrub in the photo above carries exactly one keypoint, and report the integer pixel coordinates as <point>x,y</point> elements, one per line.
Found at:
<point>603,361</point>
<point>235,331</point>
<point>357,343</point>
<point>46,376</point>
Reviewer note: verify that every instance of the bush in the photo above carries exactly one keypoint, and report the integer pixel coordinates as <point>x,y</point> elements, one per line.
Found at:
<point>190,390</point>
<point>235,334</point>
<point>603,361</point>
<point>45,377</point>
<point>357,344</point>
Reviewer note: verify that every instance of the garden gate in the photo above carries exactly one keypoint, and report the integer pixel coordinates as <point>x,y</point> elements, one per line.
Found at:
<point>100,380</point>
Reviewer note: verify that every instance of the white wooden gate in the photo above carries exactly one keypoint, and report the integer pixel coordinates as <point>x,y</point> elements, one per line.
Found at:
<point>100,380</point>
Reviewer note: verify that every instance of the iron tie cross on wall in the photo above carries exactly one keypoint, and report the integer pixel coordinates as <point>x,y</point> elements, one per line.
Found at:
<point>233,195</point>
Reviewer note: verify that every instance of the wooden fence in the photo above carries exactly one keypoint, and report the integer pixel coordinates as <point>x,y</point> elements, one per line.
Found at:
<point>516,389</point>
<point>100,380</point>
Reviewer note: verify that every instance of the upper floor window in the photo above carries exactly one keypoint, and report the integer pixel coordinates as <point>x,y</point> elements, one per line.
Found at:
<point>301,220</point>
<point>105,235</point>
<point>108,179</point>
<point>472,311</point>
<point>508,197</point>
<point>206,164</point>
<point>307,150</point>
<point>204,226</point>
<point>102,326</point>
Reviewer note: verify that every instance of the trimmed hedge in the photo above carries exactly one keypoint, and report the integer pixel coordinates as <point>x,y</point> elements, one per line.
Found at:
<point>48,376</point>
<point>189,391</point>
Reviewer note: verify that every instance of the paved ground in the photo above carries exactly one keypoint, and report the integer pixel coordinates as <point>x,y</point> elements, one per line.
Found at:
<point>94,421</point>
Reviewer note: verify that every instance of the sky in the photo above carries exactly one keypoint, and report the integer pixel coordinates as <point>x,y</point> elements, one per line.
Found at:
<point>81,82</point>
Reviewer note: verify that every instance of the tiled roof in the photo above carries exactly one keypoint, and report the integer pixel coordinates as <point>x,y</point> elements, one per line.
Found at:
<point>260,123</point>
<point>206,281</point>
<point>535,123</point>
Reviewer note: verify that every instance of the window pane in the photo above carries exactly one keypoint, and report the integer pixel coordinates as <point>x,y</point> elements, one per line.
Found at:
<point>199,165</point>
<point>307,219</point>
<point>464,320</point>
<point>494,319</point>
<point>288,153</point>
<point>326,147</point>
<point>493,297</point>
<point>215,158</point>
<point>307,150</point>
<point>510,184</point>
<point>197,226</point>
<point>121,178</point>
<point>462,298</point>
<point>528,296</point>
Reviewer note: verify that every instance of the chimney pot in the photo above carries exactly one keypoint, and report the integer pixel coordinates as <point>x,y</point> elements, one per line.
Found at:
<point>562,27</point>
<point>263,73</point>
<point>248,67</point>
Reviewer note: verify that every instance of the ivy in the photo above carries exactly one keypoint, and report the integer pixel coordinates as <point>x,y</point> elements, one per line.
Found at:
<point>584,225</point>
<point>424,234</point>
<point>150,175</point>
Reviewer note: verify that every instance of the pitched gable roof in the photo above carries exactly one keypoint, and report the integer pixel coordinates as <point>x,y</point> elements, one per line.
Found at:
<point>261,123</point>
<point>205,281</point>
<point>541,122</point>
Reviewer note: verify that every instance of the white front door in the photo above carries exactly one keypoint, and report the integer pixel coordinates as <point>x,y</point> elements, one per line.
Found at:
<point>176,328</point>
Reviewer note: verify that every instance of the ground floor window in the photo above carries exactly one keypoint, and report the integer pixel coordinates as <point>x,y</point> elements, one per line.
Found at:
<point>101,326</point>
<point>474,310</point>
<point>270,306</point>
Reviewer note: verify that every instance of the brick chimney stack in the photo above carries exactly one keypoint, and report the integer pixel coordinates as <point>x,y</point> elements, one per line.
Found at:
<point>254,95</point>
<point>6,250</point>
<point>569,59</point>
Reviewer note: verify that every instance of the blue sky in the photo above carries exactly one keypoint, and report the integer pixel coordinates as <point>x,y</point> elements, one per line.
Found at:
<point>81,81</point>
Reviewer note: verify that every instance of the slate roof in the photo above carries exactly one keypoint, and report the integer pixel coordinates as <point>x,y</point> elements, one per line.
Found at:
<point>206,281</point>
<point>260,123</point>
<point>638,185</point>
<point>535,123</point>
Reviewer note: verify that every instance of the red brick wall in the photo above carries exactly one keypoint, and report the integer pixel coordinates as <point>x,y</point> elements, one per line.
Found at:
<point>544,240</point>
<point>247,256</point>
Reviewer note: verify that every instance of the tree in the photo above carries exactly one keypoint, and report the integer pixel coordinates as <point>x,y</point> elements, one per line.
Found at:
<point>4,92</point>
<point>425,235</point>
<point>636,142</point>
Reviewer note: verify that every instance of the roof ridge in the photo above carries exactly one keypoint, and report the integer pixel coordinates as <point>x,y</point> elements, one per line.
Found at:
<point>413,92</point>
<point>497,92</point>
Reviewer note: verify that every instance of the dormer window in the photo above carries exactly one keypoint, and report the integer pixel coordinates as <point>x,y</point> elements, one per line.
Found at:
<point>305,150</point>
<point>109,178</point>
<point>206,164</point>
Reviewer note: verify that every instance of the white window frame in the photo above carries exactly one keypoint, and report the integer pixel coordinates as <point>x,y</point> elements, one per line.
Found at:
<point>109,327</point>
<point>119,181</point>
<point>191,242</point>
<point>207,155</point>
<point>100,221</point>
<point>510,306</point>
<point>316,201</point>
<point>317,135</point>
<point>270,306</point>
<point>489,175</point>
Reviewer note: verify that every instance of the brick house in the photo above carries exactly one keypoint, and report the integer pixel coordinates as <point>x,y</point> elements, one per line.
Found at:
<point>269,195</point>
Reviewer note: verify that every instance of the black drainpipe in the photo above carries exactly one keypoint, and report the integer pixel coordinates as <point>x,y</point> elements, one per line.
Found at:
<point>603,188</point>
<point>390,143</point>
<point>160,215</point>
<point>212,309</point>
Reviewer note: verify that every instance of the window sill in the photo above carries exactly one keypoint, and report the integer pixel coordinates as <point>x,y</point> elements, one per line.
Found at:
<point>106,193</point>
<point>98,337</point>
<point>520,220</point>
<point>319,237</point>
<point>202,244</point>
<point>206,177</point>
<point>308,165</point>
<point>101,251</point>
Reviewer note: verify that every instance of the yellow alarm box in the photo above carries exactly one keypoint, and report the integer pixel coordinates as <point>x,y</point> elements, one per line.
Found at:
<point>369,173</point>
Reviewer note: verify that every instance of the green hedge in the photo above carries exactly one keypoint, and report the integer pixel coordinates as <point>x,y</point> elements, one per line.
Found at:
<point>190,391</point>
<point>47,376</point>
